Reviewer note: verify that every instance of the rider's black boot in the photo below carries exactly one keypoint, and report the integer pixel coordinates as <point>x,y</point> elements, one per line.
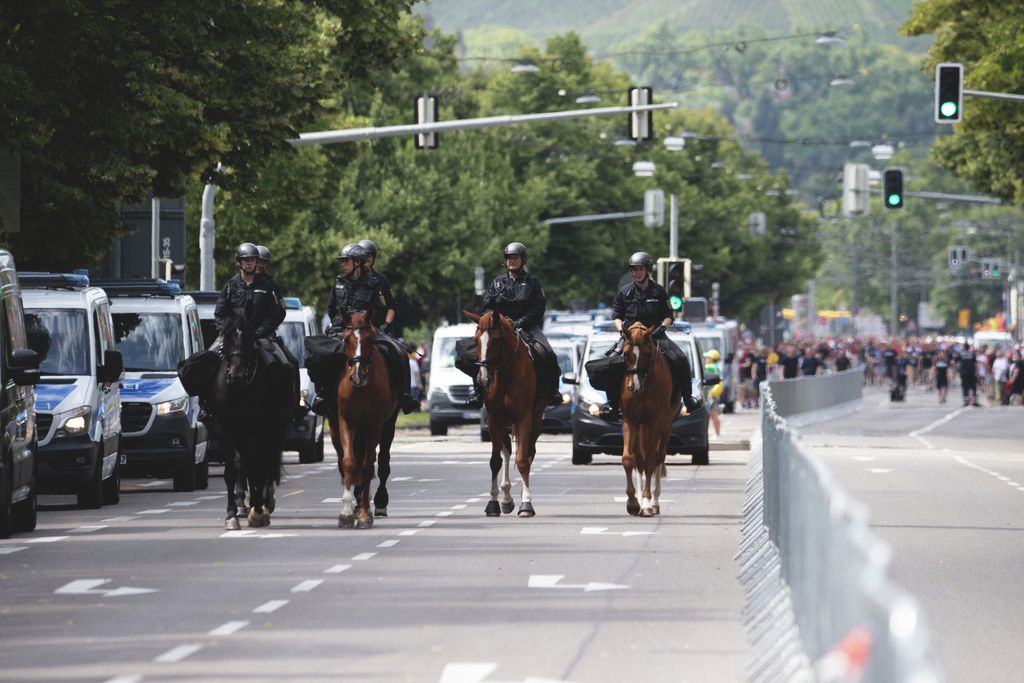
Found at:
<point>319,406</point>
<point>476,397</point>
<point>407,403</point>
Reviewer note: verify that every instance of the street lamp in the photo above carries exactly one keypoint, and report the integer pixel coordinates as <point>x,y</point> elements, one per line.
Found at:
<point>525,68</point>
<point>643,169</point>
<point>842,82</point>
<point>859,143</point>
<point>882,152</point>
<point>587,99</point>
<point>829,38</point>
<point>675,143</point>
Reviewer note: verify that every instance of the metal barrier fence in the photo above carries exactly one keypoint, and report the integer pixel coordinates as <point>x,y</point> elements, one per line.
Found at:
<point>820,603</point>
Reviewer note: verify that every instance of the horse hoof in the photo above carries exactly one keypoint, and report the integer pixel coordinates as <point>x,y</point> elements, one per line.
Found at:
<point>492,509</point>
<point>646,512</point>
<point>526,510</point>
<point>507,508</point>
<point>633,508</point>
<point>258,519</point>
<point>364,523</point>
<point>346,521</point>
<point>657,509</point>
<point>232,524</point>
<point>380,512</point>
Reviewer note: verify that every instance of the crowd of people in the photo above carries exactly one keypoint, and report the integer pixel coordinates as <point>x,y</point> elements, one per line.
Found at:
<point>932,365</point>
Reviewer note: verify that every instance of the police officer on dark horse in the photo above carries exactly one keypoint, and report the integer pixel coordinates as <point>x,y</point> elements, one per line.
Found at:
<point>517,295</point>
<point>646,301</point>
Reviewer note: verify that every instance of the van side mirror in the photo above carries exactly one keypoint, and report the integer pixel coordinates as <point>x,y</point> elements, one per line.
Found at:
<point>570,378</point>
<point>712,380</point>
<point>24,367</point>
<point>112,368</point>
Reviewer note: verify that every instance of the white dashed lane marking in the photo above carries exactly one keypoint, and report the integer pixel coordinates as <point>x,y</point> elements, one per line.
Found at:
<point>409,532</point>
<point>228,628</point>
<point>124,679</point>
<point>46,539</point>
<point>307,585</point>
<point>11,549</point>
<point>270,606</point>
<point>991,473</point>
<point>362,557</point>
<point>89,529</point>
<point>337,569</point>
<point>178,654</point>
<point>182,504</point>
<point>388,544</point>
<point>159,511</point>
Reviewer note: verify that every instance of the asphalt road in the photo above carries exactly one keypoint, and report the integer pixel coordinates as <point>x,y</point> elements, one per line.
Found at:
<point>154,590</point>
<point>945,485</point>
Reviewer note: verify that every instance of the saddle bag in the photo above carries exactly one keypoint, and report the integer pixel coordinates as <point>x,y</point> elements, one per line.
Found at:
<point>465,355</point>
<point>325,360</point>
<point>198,373</point>
<point>606,373</point>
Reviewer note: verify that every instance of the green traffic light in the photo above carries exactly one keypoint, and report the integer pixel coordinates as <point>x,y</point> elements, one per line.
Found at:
<point>894,200</point>
<point>675,302</point>
<point>948,109</point>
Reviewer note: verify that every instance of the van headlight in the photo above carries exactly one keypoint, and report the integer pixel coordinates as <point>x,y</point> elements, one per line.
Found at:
<point>178,405</point>
<point>73,422</point>
<point>566,398</point>
<point>304,398</point>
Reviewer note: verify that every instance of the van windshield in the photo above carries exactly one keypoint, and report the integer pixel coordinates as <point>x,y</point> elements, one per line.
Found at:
<point>294,334</point>
<point>149,342</point>
<point>708,343</point>
<point>61,338</point>
<point>444,352</point>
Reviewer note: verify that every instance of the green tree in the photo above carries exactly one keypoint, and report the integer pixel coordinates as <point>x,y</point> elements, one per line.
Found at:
<point>109,100</point>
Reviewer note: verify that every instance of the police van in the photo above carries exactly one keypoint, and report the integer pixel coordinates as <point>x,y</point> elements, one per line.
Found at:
<point>78,401</point>
<point>156,327</point>
<point>18,374</point>
<point>305,432</point>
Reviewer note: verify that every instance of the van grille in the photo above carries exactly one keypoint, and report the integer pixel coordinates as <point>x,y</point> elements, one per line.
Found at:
<point>43,422</point>
<point>135,416</point>
<point>458,392</point>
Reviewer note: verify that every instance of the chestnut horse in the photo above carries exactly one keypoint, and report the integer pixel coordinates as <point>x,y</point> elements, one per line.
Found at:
<point>506,373</point>
<point>366,406</point>
<point>649,405</point>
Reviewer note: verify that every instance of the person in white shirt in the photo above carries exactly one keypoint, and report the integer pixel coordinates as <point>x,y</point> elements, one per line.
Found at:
<point>1000,373</point>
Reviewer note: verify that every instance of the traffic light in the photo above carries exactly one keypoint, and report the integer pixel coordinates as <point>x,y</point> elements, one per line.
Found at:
<point>986,270</point>
<point>949,92</point>
<point>958,256</point>
<point>674,276</point>
<point>892,188</point>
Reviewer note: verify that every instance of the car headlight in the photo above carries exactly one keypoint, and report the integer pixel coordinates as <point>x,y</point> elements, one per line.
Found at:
<point>176,406</point>
<point>304,398</point>
<point>73,422</point>
<point>566,398</point>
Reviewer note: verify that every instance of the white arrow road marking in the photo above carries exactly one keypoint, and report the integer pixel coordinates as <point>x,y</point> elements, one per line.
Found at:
<point>603,531</point>
<point>177,654</point>
<point>477,672</point>
<point>552,581</point>
<point>92,587</point>
<point>9,549</point>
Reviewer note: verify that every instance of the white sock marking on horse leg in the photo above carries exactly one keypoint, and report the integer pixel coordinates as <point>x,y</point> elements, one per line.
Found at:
<point>526,494</point>
<point>506,481</point>
<point>635,379</point>
<point>483,356</point>
<point>348,502</point>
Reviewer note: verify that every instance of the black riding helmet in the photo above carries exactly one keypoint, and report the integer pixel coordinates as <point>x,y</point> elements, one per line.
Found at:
<point>246,250</point>
<point>353,251</point>
<point>370,246</point>
<point>264,253</point>
<point>641,258</point>
<point>516,249</point>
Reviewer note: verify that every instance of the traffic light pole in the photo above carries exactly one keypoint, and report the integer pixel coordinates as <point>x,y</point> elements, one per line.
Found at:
<point>673,228</point>
<point>995,95</point>
<point>894,291</point>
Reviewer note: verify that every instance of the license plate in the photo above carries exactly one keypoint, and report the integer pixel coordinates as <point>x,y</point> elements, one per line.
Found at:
<point>470,415</point>
<point>123,459</point>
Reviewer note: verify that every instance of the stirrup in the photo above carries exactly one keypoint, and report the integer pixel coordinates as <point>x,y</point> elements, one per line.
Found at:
<point>611,413</point>
<point>319,406</point>
<point>475,399</point>
<point>408,404</point>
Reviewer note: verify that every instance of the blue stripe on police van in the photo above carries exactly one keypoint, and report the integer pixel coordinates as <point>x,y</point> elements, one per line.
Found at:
<point>49,396</point>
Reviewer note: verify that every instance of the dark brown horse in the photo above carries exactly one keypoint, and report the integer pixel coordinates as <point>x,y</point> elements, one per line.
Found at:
<point>366,405</point>
<point>514,408</point>
<point>649,404</point>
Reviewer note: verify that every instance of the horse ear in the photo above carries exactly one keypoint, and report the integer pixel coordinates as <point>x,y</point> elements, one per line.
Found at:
<point>472,316</point>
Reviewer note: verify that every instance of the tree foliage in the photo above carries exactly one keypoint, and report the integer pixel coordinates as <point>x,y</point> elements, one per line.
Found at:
<point>110,100</point>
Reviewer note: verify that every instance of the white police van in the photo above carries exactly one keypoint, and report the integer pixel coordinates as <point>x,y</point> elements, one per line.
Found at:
<point>78,401</point>
<point>156,327</point>
<point>305,432</point>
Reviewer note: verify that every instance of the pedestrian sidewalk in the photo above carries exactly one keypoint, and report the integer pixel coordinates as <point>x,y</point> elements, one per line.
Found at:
<point>737,428</point>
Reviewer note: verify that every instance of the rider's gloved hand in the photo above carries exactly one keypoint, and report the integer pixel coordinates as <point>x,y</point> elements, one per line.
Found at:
<point>518,324</point>
<point>658,331</point>
<point>693,403</point>
<point>384,326</point>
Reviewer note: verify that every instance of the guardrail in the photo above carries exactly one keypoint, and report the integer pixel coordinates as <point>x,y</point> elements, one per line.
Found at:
<point>820,605</point>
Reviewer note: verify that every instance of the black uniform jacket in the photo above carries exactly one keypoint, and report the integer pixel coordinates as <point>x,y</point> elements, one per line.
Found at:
<point>349,295</point>
<point>521,299</point>
<point>259,301</point>
<point>385,299</point>
<point>649,306</point>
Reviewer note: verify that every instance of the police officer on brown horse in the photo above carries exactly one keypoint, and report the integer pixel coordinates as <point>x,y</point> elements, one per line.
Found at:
<point>646,301</point>
<point>518,296</point>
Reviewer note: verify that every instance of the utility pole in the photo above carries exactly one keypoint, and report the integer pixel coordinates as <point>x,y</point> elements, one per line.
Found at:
<point>673,228</point>
<point>894,317</point>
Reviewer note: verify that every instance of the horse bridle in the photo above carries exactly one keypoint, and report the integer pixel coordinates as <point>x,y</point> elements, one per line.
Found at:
<point>238,352</point>
<point>639,372</point>
<point>363,357</point>
<point>494,366</point>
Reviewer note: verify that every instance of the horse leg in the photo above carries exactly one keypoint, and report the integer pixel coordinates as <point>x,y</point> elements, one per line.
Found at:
<point>497,441</point>
<point>660,470</point>
<point>231,484</point>
<point>366,443</point>
<point>628,450</point>
<point>255,471</point>
<point>648,444</point>
<point>526,449</point>
<point>347,465</point>
<point>507,504</point>
<point>387,436</point>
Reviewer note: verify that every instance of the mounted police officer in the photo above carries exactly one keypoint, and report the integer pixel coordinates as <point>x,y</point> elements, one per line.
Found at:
<point>357,289</point>
<point>646,301</point>
<point>518,295</point>
<point>251,292</point>
<point>262,264</point>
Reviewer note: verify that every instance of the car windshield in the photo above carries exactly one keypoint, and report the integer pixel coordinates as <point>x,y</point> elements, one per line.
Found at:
<point>60,336</point>
<point>708,343</point>
<point>294,334</point>
<point>149,342</point>
<point>564,355</point>
<point>444,352</point>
